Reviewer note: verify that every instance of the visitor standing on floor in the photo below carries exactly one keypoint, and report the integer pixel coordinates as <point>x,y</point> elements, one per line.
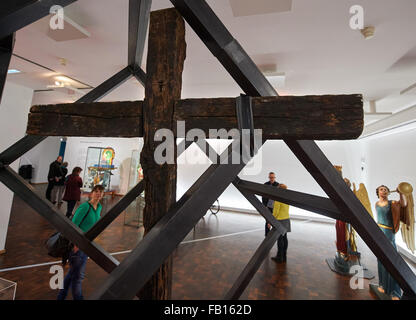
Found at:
<point>267,202</point>
<point>73,187</point>
<point>281,213</point>
<point>59,187</point>
<point>85,217</point>
<point>53,176</point>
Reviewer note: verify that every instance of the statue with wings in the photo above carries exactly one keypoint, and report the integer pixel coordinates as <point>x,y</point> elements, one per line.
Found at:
<point>392,216</point>
<point>347,254</point>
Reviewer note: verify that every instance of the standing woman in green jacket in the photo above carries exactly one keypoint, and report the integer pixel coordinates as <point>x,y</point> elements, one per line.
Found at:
<point>85,217</point>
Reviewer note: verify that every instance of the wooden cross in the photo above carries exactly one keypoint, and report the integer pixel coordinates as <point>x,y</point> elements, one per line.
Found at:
<point>296,120</point>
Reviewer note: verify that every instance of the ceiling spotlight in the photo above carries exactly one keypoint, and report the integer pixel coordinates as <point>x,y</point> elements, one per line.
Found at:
<point>368,32</point>
<point>12,71</point>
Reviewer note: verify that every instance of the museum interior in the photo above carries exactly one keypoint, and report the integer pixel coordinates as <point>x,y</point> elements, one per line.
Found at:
<point>120,120</point>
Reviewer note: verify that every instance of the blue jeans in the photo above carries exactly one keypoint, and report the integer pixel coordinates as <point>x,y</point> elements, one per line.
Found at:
<point>77,263</point>
<point>70,207</point>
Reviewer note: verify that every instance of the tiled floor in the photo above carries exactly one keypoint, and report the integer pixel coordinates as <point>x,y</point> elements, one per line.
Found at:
<point>205,264</point>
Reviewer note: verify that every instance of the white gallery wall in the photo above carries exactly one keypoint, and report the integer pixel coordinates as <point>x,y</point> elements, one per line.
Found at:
<point>40,157</point>
<point>14,109</point>
<point>390,158</point>
<point>275,156</point>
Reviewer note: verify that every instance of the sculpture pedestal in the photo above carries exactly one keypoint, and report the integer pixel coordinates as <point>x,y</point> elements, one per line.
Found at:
<point>343,267</point>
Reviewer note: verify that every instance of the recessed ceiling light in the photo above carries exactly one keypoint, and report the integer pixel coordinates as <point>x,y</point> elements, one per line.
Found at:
<point>11,71</point>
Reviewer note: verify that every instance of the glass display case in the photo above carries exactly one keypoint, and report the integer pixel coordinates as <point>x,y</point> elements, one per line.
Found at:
<point>133,215</point>
<point>98,167</point>
<point>7,289</point>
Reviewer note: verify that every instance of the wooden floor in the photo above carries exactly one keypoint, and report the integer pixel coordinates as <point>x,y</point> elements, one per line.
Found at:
<point>205,264</point>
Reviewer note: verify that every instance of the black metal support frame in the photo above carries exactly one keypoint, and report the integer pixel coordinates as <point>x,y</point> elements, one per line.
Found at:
<point>136,269</point>
<point>317,204</point>
<point>130,275</point>
<point>6,51</point>
<point>253,265</point>
<point>246,121</point>
<point>235,60</point>
<point>21,188</point>
<point>139,13</point>
<point>107,86</point>
<point>61,223</point>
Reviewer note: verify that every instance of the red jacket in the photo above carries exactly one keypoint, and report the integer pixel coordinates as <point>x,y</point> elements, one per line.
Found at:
<point>73,188</point>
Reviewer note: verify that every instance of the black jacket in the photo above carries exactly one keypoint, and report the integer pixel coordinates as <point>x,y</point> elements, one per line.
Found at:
<point>64,172</point>
<point>265,200</point>
<point>54,170</point>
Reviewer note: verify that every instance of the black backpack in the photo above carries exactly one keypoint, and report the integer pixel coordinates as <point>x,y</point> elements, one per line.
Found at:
<point>60,247</point>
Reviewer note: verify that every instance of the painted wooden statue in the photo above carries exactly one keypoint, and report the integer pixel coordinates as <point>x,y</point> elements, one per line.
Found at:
<point>391,216</point>
<point>347,254</point>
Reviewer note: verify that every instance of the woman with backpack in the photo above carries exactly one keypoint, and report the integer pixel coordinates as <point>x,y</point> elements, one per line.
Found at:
<point>85,217</point>
<point>72,194</point>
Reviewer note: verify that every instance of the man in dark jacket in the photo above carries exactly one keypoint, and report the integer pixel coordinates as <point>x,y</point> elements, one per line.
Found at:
<point>59,187</point>
<point>267,202</point>
<point>53,176</point>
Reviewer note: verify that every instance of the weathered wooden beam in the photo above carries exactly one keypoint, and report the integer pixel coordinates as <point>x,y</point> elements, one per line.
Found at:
<point>112,119</point>
<point>327,117</point>
<point>165,61</point>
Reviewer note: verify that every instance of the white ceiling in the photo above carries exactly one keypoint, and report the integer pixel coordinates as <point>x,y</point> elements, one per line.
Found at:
<point>312,44</point>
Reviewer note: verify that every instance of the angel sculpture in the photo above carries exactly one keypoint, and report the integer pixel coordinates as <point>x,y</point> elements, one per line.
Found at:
<point>347,254</point>
<point>391,216</point>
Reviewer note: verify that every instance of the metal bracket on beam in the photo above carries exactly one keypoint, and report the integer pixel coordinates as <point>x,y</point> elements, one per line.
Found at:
<point>139,74</point>
<point>244,112</point>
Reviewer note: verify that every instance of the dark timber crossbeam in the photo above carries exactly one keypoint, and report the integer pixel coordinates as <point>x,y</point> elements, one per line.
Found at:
<point>308,117</point>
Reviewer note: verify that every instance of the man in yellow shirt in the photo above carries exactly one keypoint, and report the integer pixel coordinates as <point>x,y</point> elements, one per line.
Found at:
<point>281,213</point>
